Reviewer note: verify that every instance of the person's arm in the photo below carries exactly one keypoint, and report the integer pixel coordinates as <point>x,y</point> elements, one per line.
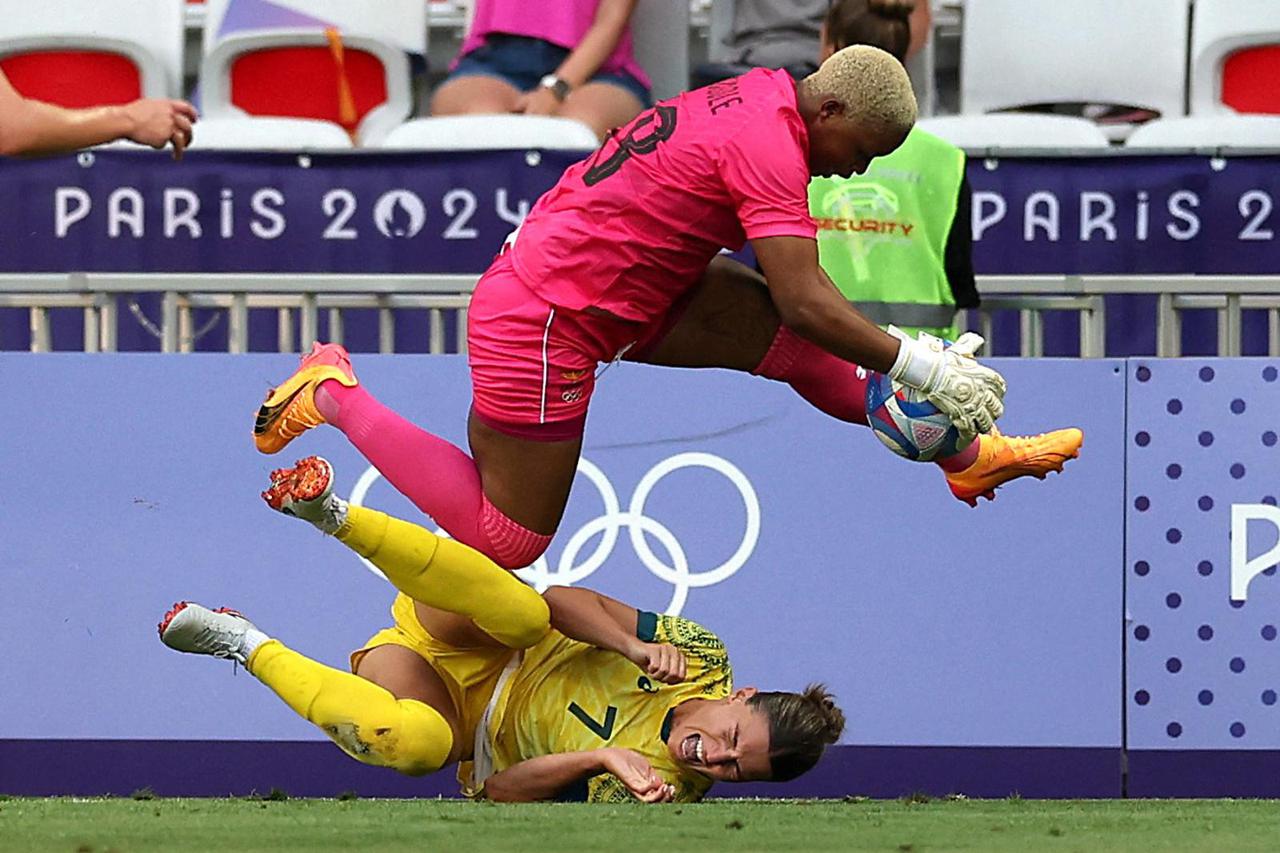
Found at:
<point>921,26</point>
<point>596,45</point>
<point>957,259</point>
<point>548,776</point>
<point>29,127</point>
<point>811,306</point>
<point>603,622</point>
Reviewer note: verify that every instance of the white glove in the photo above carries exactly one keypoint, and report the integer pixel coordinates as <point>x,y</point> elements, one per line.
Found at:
<point>951,379</point>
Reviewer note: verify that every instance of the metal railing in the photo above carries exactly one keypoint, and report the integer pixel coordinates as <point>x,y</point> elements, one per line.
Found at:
<point>1032,296</point>
<point>306,295</point>
<point>445,298</point>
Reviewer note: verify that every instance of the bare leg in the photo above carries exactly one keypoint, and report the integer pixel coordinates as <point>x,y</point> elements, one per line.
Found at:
<point>474,93</point>
<point>527,480</point>
<point>602,106</point>
<point>729,321</point>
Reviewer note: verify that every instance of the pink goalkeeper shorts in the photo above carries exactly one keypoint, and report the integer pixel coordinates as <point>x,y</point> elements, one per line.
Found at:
<point>533,364</point>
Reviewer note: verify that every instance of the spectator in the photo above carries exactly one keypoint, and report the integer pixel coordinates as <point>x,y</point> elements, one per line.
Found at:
<point>896,240</point>
<point>769,34</point>
<point>28,126</point>
<point>782,34</point>
<point>570,58</point>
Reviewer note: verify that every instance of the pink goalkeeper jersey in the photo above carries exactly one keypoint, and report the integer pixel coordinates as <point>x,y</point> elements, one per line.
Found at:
<point>635,224</point>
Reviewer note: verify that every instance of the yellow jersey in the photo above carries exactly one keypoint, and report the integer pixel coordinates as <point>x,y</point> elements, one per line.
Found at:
<point>568,696</point>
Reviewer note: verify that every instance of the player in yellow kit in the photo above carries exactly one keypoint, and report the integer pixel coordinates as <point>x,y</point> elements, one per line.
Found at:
<point>567,695</point>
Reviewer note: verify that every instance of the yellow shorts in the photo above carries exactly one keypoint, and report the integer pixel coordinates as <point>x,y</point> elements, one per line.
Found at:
<point>469,674</point>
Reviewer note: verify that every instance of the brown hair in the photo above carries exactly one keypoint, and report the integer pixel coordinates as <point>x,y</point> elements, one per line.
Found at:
<point>800,727</point>
<point>879,23</point>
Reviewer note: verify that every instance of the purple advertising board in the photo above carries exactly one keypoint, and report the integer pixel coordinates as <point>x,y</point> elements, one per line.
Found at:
<point>135,211</point>
<point>447,212</point>
<point>974,650</point>
<point>1202,602</point>
<point>138,211</point>
<point>1126,214</point>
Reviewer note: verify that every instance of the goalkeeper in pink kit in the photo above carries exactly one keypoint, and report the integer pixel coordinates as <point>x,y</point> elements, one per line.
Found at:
<point>621,259</point>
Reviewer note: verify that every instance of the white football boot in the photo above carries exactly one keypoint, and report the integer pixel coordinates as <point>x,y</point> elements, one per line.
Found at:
<point>306,491</point>
<point>222,633</point>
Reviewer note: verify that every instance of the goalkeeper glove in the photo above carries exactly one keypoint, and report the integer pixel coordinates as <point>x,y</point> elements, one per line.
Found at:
<point>967,392</point>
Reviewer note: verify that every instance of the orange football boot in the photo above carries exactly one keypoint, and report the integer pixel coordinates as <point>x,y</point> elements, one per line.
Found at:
<point>1002,458</point>
<point>290,408</point>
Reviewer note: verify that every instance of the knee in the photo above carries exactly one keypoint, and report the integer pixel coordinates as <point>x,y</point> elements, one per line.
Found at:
<point>533,623</point>
<point>415,740</point>
<point>511,545</point>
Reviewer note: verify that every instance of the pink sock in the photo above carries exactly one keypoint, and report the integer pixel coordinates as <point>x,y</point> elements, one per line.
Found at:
<point>831,384</point>
<point>961,460</point>
<point>439,478</point>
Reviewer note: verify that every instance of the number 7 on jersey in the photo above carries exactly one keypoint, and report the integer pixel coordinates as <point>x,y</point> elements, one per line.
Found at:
<point>604,730</point>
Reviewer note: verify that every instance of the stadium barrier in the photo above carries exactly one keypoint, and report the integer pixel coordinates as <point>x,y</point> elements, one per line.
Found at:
<point>1027,646</point>
<point>302,300</point>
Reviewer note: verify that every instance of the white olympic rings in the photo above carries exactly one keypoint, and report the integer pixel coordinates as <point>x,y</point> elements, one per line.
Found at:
<point>610,522</point>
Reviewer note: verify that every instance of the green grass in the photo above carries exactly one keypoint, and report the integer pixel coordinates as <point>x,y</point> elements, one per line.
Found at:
<point>156,824</point>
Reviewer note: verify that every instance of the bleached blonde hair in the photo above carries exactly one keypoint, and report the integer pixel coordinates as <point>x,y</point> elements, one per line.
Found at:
<point>872,85</point>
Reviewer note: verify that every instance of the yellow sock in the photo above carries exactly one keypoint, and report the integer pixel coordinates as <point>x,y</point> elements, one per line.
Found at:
<point>363,719</point>
<point>443,573</point>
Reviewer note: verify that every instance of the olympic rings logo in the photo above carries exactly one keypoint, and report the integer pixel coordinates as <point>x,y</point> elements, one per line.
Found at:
<point>606,527</point>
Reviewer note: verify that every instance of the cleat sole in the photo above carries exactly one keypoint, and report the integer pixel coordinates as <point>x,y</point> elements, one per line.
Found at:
<point>305,481</point>
<point>178,607</point>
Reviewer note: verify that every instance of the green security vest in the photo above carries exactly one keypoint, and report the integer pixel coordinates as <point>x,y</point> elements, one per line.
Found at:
<point>882,236</point>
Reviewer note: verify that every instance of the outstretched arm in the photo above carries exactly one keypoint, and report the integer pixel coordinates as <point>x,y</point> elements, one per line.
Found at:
<point>547,776</point>
<point>607,623</point>
<point>28,126</point>
<point>811,306</point>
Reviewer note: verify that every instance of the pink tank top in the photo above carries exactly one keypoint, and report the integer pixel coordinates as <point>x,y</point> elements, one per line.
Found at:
<point>635,224</point>
<point>562,22</point>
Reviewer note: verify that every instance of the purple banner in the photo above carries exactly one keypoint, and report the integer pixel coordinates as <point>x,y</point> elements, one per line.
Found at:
<point>448,211</point>
<point>127,211</point>
<point>131,482</point>
<point>1133,214</point>
<point>1203,652</point>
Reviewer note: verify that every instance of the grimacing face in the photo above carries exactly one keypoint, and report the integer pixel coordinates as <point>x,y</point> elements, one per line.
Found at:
<point>842,148</point>
<point>723,739</point>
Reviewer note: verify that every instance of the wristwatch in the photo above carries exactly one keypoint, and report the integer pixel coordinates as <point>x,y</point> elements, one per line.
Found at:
<point>558,87</point>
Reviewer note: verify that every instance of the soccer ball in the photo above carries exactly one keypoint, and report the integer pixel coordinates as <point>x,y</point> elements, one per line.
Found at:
<point>907,423</point>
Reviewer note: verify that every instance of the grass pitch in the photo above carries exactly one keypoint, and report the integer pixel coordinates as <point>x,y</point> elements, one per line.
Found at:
<point>126,825</point>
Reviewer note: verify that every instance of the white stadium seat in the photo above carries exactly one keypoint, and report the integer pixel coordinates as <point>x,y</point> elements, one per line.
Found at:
<point>1016,130</point>
<point>488,132</point>
<point>148,32</point>
<point>1227,131</point>
<point>660,32</point>
<point>1017,53</point>
<point>1219,29</point>
<point>266,133</point>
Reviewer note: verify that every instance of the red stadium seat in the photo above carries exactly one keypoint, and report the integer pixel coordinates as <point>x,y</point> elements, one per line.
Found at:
<point>1235,57</point>
<point>74,78</point>
<point>1251,80</point>
<point>264,83</point>
<point>86,54</point>
<point>326,60</point>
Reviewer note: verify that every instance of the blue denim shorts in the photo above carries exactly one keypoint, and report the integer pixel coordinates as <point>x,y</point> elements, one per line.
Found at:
<point>523,62</point>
